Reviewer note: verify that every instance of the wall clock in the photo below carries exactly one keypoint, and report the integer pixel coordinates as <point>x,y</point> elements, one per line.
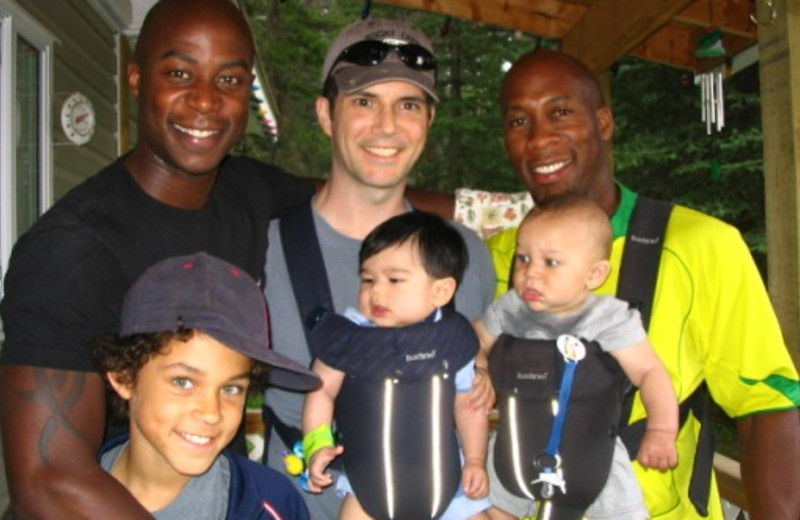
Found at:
<point>77,118</point>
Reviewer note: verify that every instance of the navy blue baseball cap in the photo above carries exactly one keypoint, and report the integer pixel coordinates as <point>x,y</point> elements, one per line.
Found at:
<point>205,293</point>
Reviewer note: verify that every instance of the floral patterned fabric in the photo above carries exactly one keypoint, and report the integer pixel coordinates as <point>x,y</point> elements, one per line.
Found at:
<point>487,212</point>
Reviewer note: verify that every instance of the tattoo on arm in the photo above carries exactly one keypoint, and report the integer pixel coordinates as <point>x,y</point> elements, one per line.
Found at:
<point>59,391</point>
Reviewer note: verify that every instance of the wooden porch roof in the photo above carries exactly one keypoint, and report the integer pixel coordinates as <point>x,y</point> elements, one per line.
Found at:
<point>599,32</point>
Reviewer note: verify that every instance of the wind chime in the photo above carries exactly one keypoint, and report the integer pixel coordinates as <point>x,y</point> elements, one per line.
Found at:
<point>712,95</point>
<point>712,99</point>
<point>710,45</point>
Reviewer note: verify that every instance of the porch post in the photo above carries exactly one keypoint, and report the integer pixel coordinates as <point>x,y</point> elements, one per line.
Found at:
<point>779,62</point>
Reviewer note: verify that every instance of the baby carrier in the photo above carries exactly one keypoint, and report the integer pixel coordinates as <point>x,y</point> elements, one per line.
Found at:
<point>401,455</point>
<point>560,403</point>
<point>637,283</point>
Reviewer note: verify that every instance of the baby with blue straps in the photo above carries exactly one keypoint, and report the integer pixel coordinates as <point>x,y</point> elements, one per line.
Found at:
<point>562,252</point>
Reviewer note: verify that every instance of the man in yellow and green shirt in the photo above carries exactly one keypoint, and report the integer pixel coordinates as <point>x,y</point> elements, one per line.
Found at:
<point>712,320</point>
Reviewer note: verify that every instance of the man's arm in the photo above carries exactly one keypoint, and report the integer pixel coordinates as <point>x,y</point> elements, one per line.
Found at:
<point>53,423</point>
<point>771,441</point>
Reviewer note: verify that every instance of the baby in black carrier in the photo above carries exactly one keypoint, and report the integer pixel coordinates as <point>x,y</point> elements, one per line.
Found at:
<point>558,357</point>
<point>395,375</point>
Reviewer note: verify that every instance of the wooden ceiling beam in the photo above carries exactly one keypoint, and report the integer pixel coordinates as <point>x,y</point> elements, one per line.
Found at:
<point>609,30</point>
<point>547,18</point>
<point>731,16</point>
<point>675,43</point>
<point>599,32</point>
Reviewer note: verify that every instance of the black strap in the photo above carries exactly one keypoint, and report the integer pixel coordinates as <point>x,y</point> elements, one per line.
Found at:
<point>637,285</point>
<point>289,435</point>
<point>697,405</point>
<point>700,485</point>
<point>638,275</point>
<point>306,266</point>
<point>309,279</point>
<point>639,270</point>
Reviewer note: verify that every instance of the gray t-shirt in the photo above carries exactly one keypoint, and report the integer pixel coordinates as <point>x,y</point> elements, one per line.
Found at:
<point>205,496</point>
<point>601,318</point>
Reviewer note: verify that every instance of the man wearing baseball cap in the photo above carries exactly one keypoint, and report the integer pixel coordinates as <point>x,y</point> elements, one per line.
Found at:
<point>378,102</point>
<point>193,340</point>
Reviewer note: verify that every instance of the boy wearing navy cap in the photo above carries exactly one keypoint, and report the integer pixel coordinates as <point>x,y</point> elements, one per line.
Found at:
<point>193,339</point>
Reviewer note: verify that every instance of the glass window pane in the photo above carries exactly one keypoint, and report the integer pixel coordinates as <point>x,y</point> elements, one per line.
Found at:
<point>28,133</point>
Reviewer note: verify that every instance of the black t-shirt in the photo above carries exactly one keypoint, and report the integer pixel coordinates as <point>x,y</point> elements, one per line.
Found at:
<point>68,275</point>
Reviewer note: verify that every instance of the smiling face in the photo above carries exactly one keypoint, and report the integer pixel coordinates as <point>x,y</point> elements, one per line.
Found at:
<point>184,408</point>
<point>557,128</point>
<point>397,291</point>
<point>192,77</point>
<point>377,133</point>
<point>558,262</point>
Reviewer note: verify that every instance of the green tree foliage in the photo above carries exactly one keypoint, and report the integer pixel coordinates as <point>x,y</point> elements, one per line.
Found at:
<point>465,146</point>
<point>292,38</point>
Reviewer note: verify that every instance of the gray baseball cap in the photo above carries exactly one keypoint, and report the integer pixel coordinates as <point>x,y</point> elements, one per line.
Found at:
<point>393,66</point>
<point>205,293</point>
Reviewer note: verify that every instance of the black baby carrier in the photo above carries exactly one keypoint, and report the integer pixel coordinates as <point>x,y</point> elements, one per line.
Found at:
<point>560,403</point>
<point>394,413</point>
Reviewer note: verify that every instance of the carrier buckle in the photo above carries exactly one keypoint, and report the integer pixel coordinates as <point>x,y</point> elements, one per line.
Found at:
<point>549,480</point>
<point>550,475</point>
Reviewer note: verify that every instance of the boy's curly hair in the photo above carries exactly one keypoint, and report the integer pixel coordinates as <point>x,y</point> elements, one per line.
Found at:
<point>126,355</point>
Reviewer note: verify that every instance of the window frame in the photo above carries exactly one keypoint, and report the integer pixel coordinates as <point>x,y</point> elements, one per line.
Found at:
<point>16,23</point>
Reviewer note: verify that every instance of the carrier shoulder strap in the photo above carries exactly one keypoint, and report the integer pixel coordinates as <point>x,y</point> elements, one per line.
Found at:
<point>309,280</point>
<point>643,244</point>
<point>637,284</point>
<point>306,267</point>
<point>638,276</point>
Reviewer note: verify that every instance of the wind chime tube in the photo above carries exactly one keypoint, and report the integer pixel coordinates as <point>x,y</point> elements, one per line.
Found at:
<point>720,103</point>
<point>709,104</point>
<point>703,115</point>
<point>712,89</point>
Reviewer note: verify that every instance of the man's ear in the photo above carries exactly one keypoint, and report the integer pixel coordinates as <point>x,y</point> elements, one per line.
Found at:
<point>598,274</point>
<point>431,114</point>
<point>123,389</point>
<point>133,78</point>
<point>443,290</point>
<point>606,121</point>
<point>324,114</point>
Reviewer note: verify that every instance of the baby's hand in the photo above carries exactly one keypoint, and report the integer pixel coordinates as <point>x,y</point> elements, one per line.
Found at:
<point>658,450</point>
<point>475,480</point>
<point>318,478</point>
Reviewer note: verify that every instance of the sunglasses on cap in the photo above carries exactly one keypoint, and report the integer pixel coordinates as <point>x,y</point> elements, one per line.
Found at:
<point>372,52</point>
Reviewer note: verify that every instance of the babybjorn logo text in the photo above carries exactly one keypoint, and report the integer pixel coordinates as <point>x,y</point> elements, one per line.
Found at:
<point>645,240</point>
<point>532,376</point>
<point>421,356</point>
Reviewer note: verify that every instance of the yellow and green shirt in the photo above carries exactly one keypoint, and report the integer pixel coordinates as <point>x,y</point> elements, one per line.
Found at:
<point>712,320</point>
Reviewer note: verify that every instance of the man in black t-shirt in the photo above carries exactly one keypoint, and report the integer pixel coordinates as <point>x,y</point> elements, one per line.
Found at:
<point>175,193</point>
